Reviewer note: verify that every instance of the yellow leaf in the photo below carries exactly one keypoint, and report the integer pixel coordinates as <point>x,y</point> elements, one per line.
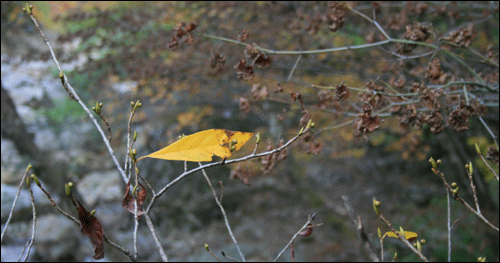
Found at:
<point>410,236</point>
<point>201,146</point>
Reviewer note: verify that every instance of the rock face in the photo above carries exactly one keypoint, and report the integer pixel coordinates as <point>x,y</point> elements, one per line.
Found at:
<point>13,128</point>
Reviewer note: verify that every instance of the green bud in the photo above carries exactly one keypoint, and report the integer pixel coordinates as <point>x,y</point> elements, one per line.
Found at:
<point>137,105</point>
<point>135,136</point>
<point>35,178</point>
<point>471,171</point>
<point>61,76</point>
<point>478,150</point>
<point>232,148</point>
<point>419,246</point>
<point>422,241</point>
<point>68,188</point>
<point>28,9</point>
<point>309,124</point>
<point>402,232</point>
<point>29,167</point>
<point>257,138</point>
<point>134,190</point>
<point>453,184</point>
<point>92,213</point>
<point>379,233</point>
<point>433,163</point>
<point>132,155</point>
<point>206,247</point>
<point>97,108</point>
<point>376,205</point>
<point>132,103</point>
<point>28,180</point>
<point>455,191</point>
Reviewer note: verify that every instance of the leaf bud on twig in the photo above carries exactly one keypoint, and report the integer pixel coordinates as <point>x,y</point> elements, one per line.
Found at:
<point>35,178</point>
<point>433,163</point>
<point>376,206</point>
<point>478,150</point>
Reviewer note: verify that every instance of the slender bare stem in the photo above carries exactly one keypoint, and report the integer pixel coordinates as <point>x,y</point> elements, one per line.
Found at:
<point>223,213</point>
<point>310,218</point>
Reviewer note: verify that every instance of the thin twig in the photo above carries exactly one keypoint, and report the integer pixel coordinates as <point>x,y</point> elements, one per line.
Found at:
<point>33,226</point>
<point>403,239</point>
<point>474,194</point>
<point>306,225</point>
<point>226,221</point>
<point>493,136</point>
<point>130,143</point>
<point>316,51</point>
<point>461,200</point>
<point>54,204</point>
<point>164,257</point>
<point>489,167</point>
<point>293,69</point>
<point>119,248</point>
<point>136,209</point>
<point>360,230</point>
<point>15,200</point>
<point>72,93</point>
<point>136,225</point>
<point>225,162</point>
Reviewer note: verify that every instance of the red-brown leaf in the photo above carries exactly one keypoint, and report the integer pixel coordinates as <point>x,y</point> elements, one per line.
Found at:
<point>306,232</point>
<point>129,202</point>
<point>92,228</point>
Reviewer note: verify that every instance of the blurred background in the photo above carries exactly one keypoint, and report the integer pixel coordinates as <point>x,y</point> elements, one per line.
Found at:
<point>115,53</point>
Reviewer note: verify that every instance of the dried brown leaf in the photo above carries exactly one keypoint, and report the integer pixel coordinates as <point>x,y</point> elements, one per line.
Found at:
<point>92,228</point>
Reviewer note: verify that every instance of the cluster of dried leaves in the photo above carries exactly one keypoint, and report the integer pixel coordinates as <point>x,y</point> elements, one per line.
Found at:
<point>419,32</point>
<point>426,110</point>
<point>244,70</point>
<point>180,31</point>
<point>334,18</point>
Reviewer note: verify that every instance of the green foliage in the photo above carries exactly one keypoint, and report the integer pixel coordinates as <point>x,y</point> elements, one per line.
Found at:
<point>74,27</point>
<point>64,110</point>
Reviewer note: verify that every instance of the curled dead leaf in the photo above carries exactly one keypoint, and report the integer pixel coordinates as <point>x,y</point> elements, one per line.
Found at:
<point>129,202</point>
<point>306,232</point>
<point>92,228</point>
